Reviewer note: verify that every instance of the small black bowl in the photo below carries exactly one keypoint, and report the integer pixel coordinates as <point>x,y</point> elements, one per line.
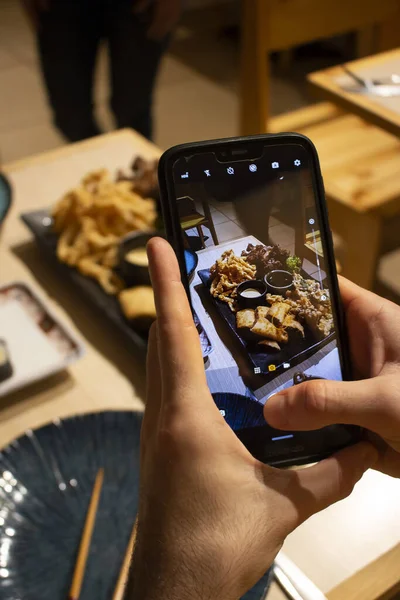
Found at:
<point>278,281</point>
<point>251,301</point>
<point>134,274</point>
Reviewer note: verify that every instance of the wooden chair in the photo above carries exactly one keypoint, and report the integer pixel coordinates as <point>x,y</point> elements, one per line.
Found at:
<point>190,218</point>
<point>279,25</point>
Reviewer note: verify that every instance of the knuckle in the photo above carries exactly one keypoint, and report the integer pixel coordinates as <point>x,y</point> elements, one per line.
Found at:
<point>345,485</point>
<point>315,397</point>
<point>173,436</point>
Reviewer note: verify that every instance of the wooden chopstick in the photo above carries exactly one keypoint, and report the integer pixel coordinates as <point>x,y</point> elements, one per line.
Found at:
<point>124,572</point>
<point>84,546</point>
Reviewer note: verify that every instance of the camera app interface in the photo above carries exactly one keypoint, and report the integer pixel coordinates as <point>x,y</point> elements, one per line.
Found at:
<point>259,286</point>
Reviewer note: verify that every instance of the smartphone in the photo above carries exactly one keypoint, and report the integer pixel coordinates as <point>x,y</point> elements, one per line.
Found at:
<point>248,221</point>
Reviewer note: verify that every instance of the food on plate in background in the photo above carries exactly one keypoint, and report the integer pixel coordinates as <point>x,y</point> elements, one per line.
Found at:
<point>144,177</point>
<point>316,314</point>
<point>277,313</point>
<point>293,264</point>
<point>270,319</point>
<point>265,328</point>
<point>6,369</point>
<point>293,326</point>
<point>245,318</point>
<point>227,273</point>
<point>266,258</point>
<point>138,256</point>
<point>92,219</point>
<point>138,306</point>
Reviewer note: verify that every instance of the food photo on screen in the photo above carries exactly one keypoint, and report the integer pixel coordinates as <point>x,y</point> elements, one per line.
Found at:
<point>260,289</point>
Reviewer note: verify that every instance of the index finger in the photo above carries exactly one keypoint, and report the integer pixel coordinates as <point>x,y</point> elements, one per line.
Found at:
<point>179,345</point>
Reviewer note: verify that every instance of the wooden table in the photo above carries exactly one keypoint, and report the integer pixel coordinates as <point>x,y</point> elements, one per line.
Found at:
<point>385,114</point>
<point>331,545</point>
<point>108,377</point>
<point>360,160</point>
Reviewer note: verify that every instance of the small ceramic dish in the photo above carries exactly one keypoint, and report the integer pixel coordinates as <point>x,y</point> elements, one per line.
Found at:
<point>251,293</point>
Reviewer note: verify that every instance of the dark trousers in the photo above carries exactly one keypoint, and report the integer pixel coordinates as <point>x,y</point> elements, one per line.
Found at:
<point>68,38</point>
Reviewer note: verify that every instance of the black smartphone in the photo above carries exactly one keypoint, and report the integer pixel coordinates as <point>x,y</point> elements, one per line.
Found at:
<point>248,221</point>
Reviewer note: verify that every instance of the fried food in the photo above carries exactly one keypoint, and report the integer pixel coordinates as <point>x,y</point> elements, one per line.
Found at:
<point>143,176</point>
<point>313,305</point>
<point>269,344</point>
<point>278,312</point>
<point>138,305</point>
<point>264,328</point>
<point>325,325</point>
<point>291,325</point>
<point>226,274</point>
<point>91,220</point>
<point>262,311</point>
<point>245,318</point>
<point>266,258</point>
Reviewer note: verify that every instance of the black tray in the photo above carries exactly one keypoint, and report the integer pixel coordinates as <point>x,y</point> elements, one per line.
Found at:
<point>39,223</point>
<point>295,351</point>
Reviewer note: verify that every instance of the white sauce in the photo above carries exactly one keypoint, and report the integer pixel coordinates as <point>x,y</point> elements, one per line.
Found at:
<point>250,293</point>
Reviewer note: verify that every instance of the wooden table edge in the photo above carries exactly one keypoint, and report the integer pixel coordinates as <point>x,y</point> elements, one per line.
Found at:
<point>70,149</point>
<point>322,85</point>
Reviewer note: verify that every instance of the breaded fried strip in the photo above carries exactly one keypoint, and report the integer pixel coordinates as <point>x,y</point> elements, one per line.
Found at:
<point>290,324</point>
<point>278,312</point>
<point>245,318</point>
<point>265,328</point>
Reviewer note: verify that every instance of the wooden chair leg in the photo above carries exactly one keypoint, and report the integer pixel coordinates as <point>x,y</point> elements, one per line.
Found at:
<point>361,234</point>
<point>186,240</point>
<point>210,225</point>
<point>201,235</point>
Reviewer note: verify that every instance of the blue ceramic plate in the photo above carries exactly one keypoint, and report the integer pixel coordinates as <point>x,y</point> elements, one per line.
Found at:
<point>46,481</point>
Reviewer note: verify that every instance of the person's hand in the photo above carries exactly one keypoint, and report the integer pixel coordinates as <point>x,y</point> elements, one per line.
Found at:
<point>33,9</point>
<point>165,16</point>
<point>211,517</point>
<point>372,402</point>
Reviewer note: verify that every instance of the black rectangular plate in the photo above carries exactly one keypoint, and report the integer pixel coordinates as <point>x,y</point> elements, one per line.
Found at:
<point>294,352</point>
<point>39,223</point>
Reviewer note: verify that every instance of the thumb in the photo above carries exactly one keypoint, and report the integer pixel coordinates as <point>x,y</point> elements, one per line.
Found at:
<point>331,480</point>
<point>315,404</point>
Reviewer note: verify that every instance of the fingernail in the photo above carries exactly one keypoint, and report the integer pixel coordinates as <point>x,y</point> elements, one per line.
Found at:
<point>278,396</point>
<point>274,412</point>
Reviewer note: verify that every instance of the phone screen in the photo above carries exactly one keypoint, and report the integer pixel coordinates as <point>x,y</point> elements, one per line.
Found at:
<point>259,283</point>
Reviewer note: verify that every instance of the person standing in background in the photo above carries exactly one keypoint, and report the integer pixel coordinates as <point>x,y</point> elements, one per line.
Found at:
<point>69,33</point>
